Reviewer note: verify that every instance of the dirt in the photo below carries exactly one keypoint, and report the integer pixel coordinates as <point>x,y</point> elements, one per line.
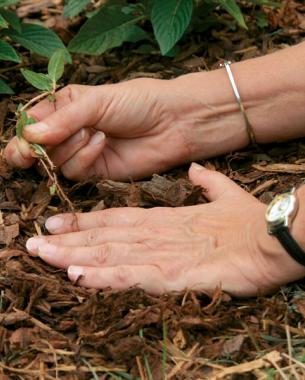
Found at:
<point>52,329</point>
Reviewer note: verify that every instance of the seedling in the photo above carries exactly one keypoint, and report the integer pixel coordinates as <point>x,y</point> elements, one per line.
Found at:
<point>47,83</point>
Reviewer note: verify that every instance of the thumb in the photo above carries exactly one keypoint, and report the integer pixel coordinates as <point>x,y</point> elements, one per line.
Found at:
<point>216,185</point>
<point>64,122</point>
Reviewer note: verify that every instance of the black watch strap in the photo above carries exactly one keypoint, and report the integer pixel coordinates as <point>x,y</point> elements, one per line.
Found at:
<point>288,242</point>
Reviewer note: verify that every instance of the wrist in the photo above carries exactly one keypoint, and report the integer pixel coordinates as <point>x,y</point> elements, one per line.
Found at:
<point>274,255</point>
<point>274,102</point>
<point>215,125</point>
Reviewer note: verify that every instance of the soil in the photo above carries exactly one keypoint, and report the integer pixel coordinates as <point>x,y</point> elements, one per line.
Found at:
<point>52,329</point>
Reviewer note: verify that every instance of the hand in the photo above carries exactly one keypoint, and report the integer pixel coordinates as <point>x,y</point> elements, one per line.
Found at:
<point>222,243</point>
<point>143,121</point>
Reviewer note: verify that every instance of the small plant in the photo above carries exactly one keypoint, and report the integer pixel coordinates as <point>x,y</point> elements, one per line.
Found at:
<point>33,37</point>
<point>47,83</point>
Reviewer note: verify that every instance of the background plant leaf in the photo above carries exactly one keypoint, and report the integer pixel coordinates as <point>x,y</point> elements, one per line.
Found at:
<point>3,22</point>
<point>38,39</point>
<point>74,7</point>
<point>38,80</point>
<point>12,19</point>
<point>169,20</point>
<point>107,29</point>
<point>6,3</point>
<point>56,65</point>
<point>8,53</point>
<point>5,89</point>
<point>233,9</point>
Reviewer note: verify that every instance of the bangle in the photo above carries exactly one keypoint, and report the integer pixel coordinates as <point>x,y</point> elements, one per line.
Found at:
<point>249,128</point>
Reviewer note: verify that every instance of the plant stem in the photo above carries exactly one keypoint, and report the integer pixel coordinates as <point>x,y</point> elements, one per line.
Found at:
<point>34,100</point>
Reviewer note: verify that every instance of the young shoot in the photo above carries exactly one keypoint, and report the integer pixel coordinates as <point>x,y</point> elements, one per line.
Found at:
<point>48,84</point>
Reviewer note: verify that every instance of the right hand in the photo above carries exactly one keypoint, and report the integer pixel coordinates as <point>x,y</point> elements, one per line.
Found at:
<point>118,131</point>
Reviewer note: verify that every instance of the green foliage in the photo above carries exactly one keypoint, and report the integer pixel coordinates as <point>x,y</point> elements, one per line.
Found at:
<point>170,20</point>
<point>38,80</point>
<point>33,37</point>
<point>22,121</point>
<point>108,28</point>
<point>47,82</point>
<point>56,65</point>
<point>74,7</point>
<point>233,9</point>
<point>118,21</point>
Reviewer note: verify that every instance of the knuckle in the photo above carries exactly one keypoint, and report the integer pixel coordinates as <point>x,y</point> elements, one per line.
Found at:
<point>123,276</point>
<point>91,237</point>
<point>172,271</point>
<point>102,254</point>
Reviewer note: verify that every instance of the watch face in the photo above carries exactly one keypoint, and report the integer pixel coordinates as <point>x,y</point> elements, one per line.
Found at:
<point>281,208</point>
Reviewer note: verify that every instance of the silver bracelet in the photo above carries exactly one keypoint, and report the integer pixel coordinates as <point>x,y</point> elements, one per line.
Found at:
<point>249,128</point>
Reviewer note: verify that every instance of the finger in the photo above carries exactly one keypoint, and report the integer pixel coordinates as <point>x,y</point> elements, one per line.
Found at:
<point>63,97</point>
<point>115,217</point>
<point>77,167</point>
<point>154,237</point>
<point>147,277</point>
<point>19,153</point>
<point>65,151</point>
<point>215,184</point>
<point>81,111</point>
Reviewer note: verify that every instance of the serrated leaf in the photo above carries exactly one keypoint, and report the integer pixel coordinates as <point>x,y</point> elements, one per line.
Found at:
<point>12,19</point>
<point>6,3</point>
<point>107,29</point>
<point>74,7</point>
<point>5,88</point>
<point>38,39</point>
<point>8,53</point>
<point>38,80</point>
<point>3,22</point>
<point>233,9</point>
<point>169,20</point>
<point>56,65</point>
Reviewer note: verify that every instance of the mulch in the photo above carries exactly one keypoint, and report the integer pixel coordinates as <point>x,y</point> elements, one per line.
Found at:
<point>52,329</point>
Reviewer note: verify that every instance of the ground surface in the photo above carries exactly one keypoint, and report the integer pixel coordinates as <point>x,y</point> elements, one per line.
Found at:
<point>50,329</point>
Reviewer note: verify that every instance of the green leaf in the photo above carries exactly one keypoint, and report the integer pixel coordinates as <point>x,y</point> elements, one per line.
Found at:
<point>169,20</point>
<point>6,3</point>
<point>5,89</point>
<point>22,121</point>
<point>56,65</point>
<point>38,39</point>
<point>41,81</point>
<point>12,19</point>
<point>38,149</point>
<point>107,29</point>
<point>53,189</point>
<point>8,53</point>
<point>3,22</point>
<point>233,9</point>
<point>74,7</point>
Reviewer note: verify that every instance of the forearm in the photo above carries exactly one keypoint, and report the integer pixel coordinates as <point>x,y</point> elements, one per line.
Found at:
<point>272,89</point>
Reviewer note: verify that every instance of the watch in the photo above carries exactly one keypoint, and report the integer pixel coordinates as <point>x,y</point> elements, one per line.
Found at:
<point>279,216</point>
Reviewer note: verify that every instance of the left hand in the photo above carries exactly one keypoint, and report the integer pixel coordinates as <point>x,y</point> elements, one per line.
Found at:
<point>222,243</point>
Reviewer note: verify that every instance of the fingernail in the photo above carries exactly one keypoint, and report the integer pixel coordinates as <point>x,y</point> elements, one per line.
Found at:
<point>79,136</point>
<point>197,167</point>
<point>54,223</point>
<point>97,138</point>
<point>45,250</point>
<point>75,273</point>
<point>33,243</point>
<point>37,128</point>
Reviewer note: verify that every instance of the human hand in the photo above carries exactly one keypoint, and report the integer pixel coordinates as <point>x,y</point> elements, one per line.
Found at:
<point>222,243</point>
<point>143,121</point>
